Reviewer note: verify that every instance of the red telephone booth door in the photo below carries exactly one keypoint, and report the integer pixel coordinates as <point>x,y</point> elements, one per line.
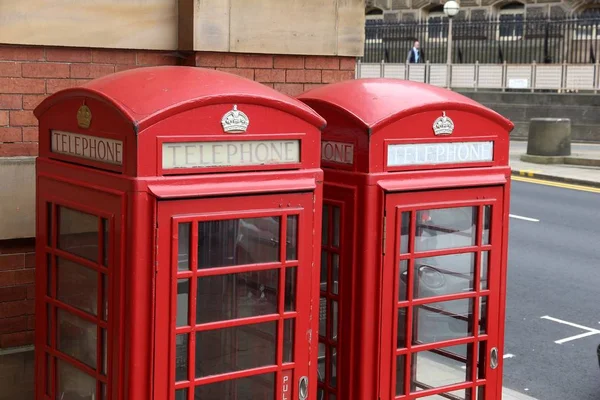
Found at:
<point>238,277</point>
<point>443,251</point>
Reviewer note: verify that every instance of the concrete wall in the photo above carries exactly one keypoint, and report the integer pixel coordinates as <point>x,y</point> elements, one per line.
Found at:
<point>582,109</point>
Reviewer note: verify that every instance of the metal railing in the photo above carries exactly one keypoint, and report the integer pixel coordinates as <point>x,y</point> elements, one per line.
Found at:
<point>509,39</point>
<point>515,77</point>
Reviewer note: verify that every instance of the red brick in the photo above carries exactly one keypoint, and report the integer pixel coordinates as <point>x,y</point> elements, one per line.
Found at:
<point>22,85</point>
<point>91,70</point>
<point>291,89</point>
<point>303,76</point>
<point>246,73</point>
<point>24,276</point>
<point>269,75</point>
<point>16,308</point>
<point>322,62</point>
<point>13,324</point>
<point>3,118</point>
<point>103,56</point>
<point>22,118</point>
<point>10,135</point>
<point>16,53</point>
<point>16,339</point>
<point>31,101</point>
<point>337,76</point>
<point>307,87</point>
<point>254,61</point>
<point>119,68</point>
<point>30,291</point>
<point>29,258</point>
<point>271,85</point>
<point>289,62</point>
<point>54,85</point>
<point>30,322</point>
<point>12,293</point>
<point>12,261</point>
<point>45,70</point>
<point>18,149</point>
<point>68,54</point>
<point>155,58</point>
<point>30,135</point>
<point>11,101</point>
<point>348,63</point>
<point>215,60</point>
<point>10,68</point>
<point>17,246</point>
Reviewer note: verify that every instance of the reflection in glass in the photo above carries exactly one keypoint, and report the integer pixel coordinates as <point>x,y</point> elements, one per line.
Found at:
<point>483,314</point>
<point>77,285</point>
<point>334,319</point>
<point>325,226</point>
<point>78,233</point>
<point>103,391</point>
<point>436,276</point>
<point>487,215</point>
<point>323,316</point>
<point>48,382</point>
<point>235,348</point>
<point>288,340</point>
<point>181,394</point>
<point>336,227</point>
<point>482,360</point>
<point>321,363</point>
<point>106,242</point>
<point>238,242</point>
<point>49,275</point>
<point>402,280</point>
<point>323,271</point>
<point>483,273</point>
<point>49,324</point>
<point>446,320</point>
<point>49,208</point>
<point>404,231</point>
<point>455,363</point>
<point>183,295</point>
<point>400,368</point>
<point>77,337</point>
<point>335,271</point>
<point>333,367</point>
<point>480,393</point>
<point>183,246</point>
<point>105,297</point>
<point>401,335</point>
<point>231,296</point>
<point>290,289</point>
<point>181,357</point>
<point>73,384</point>
<point>445,228</point>
<point>292,238</point>
<point>104,353</point>
<point>250,388</point>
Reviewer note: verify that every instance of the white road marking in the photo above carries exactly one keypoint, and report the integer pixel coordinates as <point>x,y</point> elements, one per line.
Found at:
<point>590,331</point>
<point>523,218</point>
<point>508,355</point>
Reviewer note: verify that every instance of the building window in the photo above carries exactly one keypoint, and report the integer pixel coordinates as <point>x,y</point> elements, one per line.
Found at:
<point>437,24</point>
<point>511,21</point>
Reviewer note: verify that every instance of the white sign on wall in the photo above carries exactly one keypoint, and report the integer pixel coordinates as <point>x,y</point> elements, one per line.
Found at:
<point>439,153</point>
<point>89,147</point>
<point>337,152</point>
<point>229,153</point>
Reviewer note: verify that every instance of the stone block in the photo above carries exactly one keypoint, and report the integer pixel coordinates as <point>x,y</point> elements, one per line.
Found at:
<point>549,137</point>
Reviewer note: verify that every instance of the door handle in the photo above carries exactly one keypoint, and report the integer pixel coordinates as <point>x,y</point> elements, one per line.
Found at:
<point>494,358</point>
<point>303,388</point>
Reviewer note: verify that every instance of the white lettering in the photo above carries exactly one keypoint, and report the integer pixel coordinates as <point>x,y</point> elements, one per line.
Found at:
<point>229,153</point>
<point>337,152</point>
<point>439,153</point>
<point>95,148</point>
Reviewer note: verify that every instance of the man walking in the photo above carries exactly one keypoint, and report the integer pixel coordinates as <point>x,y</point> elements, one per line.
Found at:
<point>415,55</point>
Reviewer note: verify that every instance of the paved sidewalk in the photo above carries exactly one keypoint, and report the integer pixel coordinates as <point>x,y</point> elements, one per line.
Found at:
<point>574,174</point>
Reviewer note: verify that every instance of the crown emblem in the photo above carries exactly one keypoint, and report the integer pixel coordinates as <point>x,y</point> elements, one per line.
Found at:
<point>84,117</point>
<point>443,125</point>
<point>235,121</point>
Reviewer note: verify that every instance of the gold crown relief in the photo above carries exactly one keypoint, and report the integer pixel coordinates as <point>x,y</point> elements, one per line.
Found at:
<point>443,125</point>
<point>235,121</point>
<point>84,117</point>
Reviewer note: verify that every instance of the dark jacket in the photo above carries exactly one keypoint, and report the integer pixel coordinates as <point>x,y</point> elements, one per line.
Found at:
<point>410,58</point>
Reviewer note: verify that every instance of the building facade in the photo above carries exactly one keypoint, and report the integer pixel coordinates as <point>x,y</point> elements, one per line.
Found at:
<point>49,46</point>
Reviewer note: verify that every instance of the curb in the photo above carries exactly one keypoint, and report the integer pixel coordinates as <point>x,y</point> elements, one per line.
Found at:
<point>554,178</point>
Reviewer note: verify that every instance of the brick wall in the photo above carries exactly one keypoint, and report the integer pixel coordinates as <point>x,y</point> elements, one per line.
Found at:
<point>29,73</point>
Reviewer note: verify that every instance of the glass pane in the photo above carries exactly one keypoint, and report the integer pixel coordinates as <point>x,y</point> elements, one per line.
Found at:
<point>483,314</point>
<point>73,384</point>
<point>482,360</point>
<point>336,226</point>
<point>321,363</point>
<point>181,394</point>
<point>334,319</point>
<point>183,299</point>
<point>49,275</point>
<point>480,393</point>
<point>333,367</point>
<point>320,394</point>
<point>291,250</point>
<point>288,340</point>
<point>104,352</point>
<point>48,382</point>
<point>483,273</point>
<point>325,226</point>
<point>78,233</point>
<point>323,316</point>
<point>447,320</point>
<point>401,334</point>
<point>49,223</point>
<point>238,242</point>
<point>183,246</point>
<point>49,325</point>
<point>106,242</point>
<point>246,294</point>
<point>290,289</point>
<point>250,388</point>
<point>105,297</point>
<point>335,271</point>
<point>77,285</point>
<point>103,394</point>
<point>400,368</point>
<point>404,231</point>
<point>324,263</point>
<point>436,276</point>
<point>234,349</point>
<point>454,361</point>
<point>487,215</point>
<point>445,228</point>
<point>181,357</point>
<point>402,280</point>
<point>77,337</point>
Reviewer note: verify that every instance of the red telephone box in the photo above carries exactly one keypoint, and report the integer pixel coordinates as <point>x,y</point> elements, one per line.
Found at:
<point>176,213</point>
<point>414,242</point>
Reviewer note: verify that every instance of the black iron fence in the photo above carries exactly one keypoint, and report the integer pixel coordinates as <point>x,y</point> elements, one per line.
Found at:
<point>509,39</point>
